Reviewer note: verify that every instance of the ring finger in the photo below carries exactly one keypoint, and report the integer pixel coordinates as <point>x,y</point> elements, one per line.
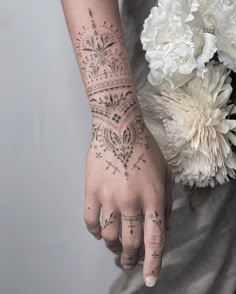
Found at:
<point>110,229</point>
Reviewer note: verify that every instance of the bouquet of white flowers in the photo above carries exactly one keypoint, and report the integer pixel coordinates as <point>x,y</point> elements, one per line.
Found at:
<point>191,50</point>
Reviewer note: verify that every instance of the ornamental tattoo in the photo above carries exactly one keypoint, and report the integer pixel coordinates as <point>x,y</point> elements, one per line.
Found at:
<point>132,255</point>
<point>108,221</point>
<point>118,124</point>
<point>131,219</point>
<point>157,220</point>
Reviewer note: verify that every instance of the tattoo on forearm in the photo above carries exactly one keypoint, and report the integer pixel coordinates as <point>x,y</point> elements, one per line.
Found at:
<point>118,124</point>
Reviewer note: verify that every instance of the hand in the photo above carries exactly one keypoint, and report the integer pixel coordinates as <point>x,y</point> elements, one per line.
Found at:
<point>128,178</point>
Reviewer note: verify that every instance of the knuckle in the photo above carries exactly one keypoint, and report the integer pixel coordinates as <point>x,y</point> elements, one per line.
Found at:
<point>156,240</point>
<point>111,238</point>
<point>128,202</point>
<point>160,190</point>
<point>91,223</point>
<point>132,244</point>
<point>113,246</point>
<point>156,194</point>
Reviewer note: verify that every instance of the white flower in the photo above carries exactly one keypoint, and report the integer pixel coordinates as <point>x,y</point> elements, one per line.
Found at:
<point>220,16</point>
<point>225,32</point>
<point>177,47</point>
<point>192,127</point>
<point>206,8</point>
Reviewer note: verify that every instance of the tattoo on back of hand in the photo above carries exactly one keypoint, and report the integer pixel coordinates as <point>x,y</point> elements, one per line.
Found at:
<point>118,124</point>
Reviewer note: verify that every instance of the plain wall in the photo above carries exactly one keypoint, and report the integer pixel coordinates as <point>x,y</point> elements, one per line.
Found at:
<point>45,128</point>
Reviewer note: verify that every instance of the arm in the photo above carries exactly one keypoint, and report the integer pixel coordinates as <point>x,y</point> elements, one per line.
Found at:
<point>126,173</point>
<point>98,43</point>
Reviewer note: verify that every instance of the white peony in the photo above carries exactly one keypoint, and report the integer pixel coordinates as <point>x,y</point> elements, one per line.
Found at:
<point>192,127</point>
<point>177,46</point>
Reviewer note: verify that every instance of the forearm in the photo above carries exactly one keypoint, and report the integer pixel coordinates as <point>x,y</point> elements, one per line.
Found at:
<point>98,42</point>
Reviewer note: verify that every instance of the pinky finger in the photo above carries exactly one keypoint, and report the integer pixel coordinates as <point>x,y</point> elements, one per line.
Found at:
<point>91,217</point>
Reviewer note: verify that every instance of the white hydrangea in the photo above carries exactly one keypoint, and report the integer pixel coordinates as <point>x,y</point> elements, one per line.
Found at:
<point>177,46</point>
<point>193,129</point>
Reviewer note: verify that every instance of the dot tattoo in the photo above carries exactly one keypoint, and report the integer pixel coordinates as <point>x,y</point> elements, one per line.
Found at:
<point>155,255</point>
<point>110,165</point>
<point>140,159</point>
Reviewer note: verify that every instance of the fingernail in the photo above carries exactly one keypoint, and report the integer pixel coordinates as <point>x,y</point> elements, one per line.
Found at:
<point>98,237</point>
<point>150,281</point>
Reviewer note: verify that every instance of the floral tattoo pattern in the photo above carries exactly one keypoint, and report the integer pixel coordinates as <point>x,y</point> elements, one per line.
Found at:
<point>108,221</point>
<point>118,125</point>
<point>158,221</point>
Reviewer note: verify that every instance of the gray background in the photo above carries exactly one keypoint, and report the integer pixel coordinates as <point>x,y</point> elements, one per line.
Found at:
<point>45,127</point>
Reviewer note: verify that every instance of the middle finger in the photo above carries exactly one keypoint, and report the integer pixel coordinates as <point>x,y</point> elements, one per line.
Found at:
<point>131,238</point>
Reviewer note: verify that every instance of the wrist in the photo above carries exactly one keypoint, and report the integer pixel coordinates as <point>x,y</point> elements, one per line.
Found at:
<point>116,119</point>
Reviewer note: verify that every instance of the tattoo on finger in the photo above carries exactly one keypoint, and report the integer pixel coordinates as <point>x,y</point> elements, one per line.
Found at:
<point>110,220</point>
<point>132,254</point>
<point>131,219</point>
<point>155,255</point>
<point>157,220</point>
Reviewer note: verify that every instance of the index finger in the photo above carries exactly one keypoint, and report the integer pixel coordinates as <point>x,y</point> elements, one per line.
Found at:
<point>154,241</point>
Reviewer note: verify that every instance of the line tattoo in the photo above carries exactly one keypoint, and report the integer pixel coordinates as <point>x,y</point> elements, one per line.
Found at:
<point>118,125</point>
<point>108,221</point>
<point>132,255</point>
<point>131,220</point>
<point>157,220</point>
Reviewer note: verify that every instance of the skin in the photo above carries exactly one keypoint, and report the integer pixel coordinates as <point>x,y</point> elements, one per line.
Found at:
<point>127,178</point>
